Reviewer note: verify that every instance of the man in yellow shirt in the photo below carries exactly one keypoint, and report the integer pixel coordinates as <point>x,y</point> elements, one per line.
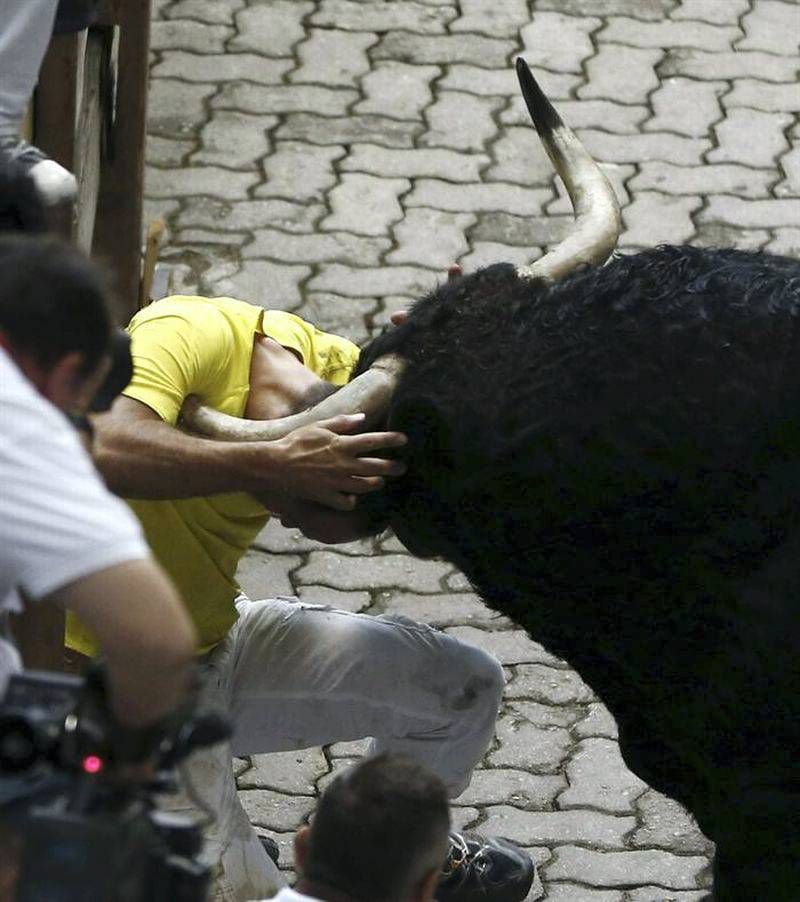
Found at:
<point>289,674</point>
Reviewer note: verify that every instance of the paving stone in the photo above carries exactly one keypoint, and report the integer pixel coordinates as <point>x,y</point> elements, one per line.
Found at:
<point>285,843</point>
<point>474,198</point>
<point>503,82</point>
<point>355,602</point>
<point>349,130</point>
<point>205,212</point>
<point>344,572</point>
<point>166,152</point>
<point>276,810</point>
<point>528,232</point>
<point>659,894</point>
<point>640,148</point>
<point>771,26</point>
<point>405,47</point>
<point>737,211</point>
<point>531,747</point>
<point>668,34</point>
<point>523,711</point>
<point>686,106</point>
<point>558,42</point>
<point>528,828</point>
<point>207,236</point>
<point>735,137</point>
<point>663,823</point>
<point>300,172</point>
<point>182,34</point>
<point>377,16</point>
<point>397,89</point>
<point>340,766</point>
<point>463,818</point>
<point>718,234</point>
<point>294,772</point>
<point>271,29</point>
<point>333,57</point>
<point>512,787</point>
<point>452,609</point>
<point>342,316</point>
<point>618,175</point>
<point>622,74</point>
<point>736,64</point>
<point>190,180</point>
<point>343,246</point>
<point>598,722</point>
<point>175,109</point>
<point>655,218</point>
<point>283,98</point>
<point>461,121</point>
<point>763,95</point>
<point>625,868</point>
<point>273,285</point>
<point>355,749</point>
<point>624,119</point>
<point>713,11</point>
<point>508,646</point>
<point>430,238</point>
<point>786,242</point>
<point>598,778</point>
<point>646,10</point>
<point>419,162</point>
<point>240,765</point>
<point>500,19</point>
<point>720,178</point>
<point>411,281</point>
<point>215,12</point>
<point>365,204</point>
<point>573,892</point>
<point>216,68</point>
<point>233,139</point>
<point>519,157</point>
<point>485,253</point>
<point>278,540</point>
<point>548,684</point>
<point>266,575</point>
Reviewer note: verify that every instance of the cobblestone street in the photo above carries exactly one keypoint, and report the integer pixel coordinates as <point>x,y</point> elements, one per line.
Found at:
<point>333,158</point>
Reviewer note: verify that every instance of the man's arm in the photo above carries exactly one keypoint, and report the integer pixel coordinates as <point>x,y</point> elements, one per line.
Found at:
<point>144,632</point>
<point>141,456</point>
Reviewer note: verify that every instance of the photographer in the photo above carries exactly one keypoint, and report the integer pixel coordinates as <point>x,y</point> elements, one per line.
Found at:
<point>63,537</point>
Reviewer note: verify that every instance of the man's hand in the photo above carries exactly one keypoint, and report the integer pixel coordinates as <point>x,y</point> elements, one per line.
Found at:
<point>325,464</point>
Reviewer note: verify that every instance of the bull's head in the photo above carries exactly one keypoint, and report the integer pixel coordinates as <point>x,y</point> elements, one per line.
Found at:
<point>591,240</point>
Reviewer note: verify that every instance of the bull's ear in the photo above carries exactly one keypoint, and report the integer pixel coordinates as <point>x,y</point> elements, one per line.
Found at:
<point>430,438</point>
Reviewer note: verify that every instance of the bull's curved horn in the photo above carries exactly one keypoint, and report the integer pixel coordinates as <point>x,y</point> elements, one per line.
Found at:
<point>597,220</point>
<point>368,393</point>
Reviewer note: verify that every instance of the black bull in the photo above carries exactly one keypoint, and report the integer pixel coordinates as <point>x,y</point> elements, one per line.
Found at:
<point>613,461</point>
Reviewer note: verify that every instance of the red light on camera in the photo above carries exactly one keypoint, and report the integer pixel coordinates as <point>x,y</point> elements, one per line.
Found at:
<point>92,764</point>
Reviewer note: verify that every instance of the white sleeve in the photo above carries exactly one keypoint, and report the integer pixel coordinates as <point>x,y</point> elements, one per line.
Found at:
<point>58,522</point>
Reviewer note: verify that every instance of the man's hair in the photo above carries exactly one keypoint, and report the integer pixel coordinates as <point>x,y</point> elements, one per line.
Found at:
<point>378,830</point>
<point>53,300</point>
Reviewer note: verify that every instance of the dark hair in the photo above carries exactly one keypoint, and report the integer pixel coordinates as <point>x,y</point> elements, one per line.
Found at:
<point>377,829</point>
<point>53,300</point>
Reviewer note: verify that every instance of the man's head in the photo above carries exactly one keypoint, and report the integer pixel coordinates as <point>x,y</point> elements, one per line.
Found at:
<point>380,832</point>
<point>55,319</point>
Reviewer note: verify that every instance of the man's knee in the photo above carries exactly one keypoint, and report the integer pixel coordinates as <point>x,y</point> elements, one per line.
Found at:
<point>483,680</point>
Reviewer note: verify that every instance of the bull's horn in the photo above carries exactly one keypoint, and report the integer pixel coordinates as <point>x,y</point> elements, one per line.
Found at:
<point>597,220</point>
<point>368,393</point>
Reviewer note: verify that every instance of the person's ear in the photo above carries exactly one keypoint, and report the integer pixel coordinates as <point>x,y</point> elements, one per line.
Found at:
<point>63,382</point>
<point>301,847</point>
<point>427,888</point>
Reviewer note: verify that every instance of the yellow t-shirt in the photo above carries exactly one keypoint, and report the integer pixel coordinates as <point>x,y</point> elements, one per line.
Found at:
<point>186,345</point>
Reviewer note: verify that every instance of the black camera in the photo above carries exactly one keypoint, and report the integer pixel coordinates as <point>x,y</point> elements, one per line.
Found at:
<point>82,834</point>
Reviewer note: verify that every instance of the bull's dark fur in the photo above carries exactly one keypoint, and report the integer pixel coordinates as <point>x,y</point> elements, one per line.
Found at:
<point>614,462</point>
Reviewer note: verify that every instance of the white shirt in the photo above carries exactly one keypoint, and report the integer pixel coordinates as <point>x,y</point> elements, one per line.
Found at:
<point>58,522</point>
<point>289,895</point>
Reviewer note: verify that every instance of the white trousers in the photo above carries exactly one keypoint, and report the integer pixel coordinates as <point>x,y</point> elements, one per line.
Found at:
<point>292,675</point>
<point>25,29</point>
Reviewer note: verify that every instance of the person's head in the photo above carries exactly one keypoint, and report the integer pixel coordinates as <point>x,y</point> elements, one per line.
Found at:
<point>55,318</point>
<point>380,832</point>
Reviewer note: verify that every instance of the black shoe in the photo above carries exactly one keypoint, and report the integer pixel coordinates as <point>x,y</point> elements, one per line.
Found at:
<point>54,184</point>
<point>270,846</point>
<point>480,869</point>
